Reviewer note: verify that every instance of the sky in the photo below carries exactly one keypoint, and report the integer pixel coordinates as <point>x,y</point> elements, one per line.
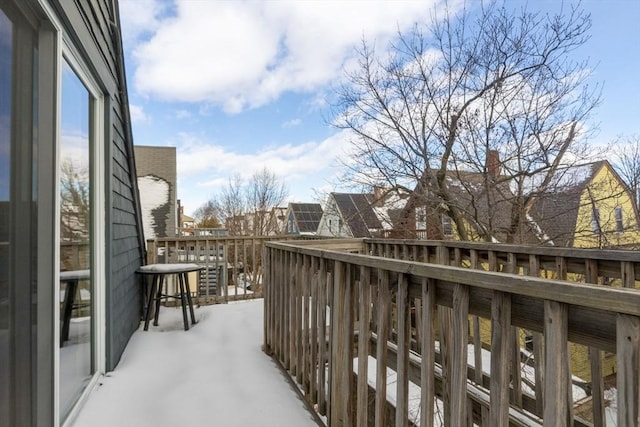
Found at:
<point>237,86</point>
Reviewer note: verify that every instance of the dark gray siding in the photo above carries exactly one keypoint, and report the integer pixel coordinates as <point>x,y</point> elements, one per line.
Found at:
<point>91,21</point>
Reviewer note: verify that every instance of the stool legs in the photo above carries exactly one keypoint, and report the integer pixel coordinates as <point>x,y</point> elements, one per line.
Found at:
<point>159,286</point>
<point>69,295</point>
<point>183,301</point>
<point>150,299</point>
<point>189,300</point>
<point>155,296</point>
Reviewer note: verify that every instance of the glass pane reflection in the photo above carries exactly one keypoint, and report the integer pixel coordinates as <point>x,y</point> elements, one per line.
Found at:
<point>76,291</point>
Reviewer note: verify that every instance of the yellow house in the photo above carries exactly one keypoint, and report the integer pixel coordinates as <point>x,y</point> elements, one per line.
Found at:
<point>588,206</point>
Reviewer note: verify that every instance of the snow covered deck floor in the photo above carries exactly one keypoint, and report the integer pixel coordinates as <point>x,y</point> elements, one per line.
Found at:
<point>213,374</point>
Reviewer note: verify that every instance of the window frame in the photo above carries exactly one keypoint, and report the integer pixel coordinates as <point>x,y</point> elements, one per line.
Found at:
<point>618,214</point>
<point>60,48</point>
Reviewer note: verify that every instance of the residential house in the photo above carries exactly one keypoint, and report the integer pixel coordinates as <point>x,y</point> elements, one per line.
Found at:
<point>303,218</point>
<point>584,205</point>
<point>276,222</point>
<point>186,224</point>
<point>237,225</point>
<point>361,214</point>
<point>69,205</point>
<point>587,206</point>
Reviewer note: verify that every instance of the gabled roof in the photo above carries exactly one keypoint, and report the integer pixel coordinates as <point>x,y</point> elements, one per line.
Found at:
<point>356,209</point>
<point>307,216</point>
<point>556,210</point>
<point>485,202</point>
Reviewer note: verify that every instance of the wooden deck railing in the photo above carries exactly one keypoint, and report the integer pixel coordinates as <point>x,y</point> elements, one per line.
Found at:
<point>233,266</point>
<point>431,311</point>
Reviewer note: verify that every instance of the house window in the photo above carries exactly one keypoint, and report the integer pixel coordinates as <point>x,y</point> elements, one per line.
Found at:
<point>447,226</point>
<point>619,223</point>
<point>421,218</point>
<point>595,221</point>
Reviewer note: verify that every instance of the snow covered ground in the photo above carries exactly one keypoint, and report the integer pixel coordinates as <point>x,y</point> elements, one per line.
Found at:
<point>215,374</point>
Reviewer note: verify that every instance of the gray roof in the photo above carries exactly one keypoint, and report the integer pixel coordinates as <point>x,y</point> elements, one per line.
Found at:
<point>356,210</point>
<point>556,210</point>
<point>307,216</point>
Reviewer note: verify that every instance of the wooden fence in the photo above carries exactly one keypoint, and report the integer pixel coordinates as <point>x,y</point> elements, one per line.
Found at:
<point>341,315</point>
<point>233,267</point>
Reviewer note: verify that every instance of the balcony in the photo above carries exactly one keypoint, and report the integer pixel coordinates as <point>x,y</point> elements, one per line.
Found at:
<point>396,332</point>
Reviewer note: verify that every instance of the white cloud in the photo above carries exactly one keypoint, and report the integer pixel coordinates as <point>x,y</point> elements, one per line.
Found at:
<point>209,161</point>
<point>204,168</point>
<point>245,54</point>
<point>291,123</point>
<point>137,114</point>
<point>140,18</point>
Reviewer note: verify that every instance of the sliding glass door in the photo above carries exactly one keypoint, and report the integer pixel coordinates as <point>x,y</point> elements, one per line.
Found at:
<point>77,239</point>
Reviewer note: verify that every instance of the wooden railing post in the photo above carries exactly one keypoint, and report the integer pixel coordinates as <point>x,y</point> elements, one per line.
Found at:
<point>538,347</point>
<point>557,377</point>
<point>323,280</point>
<point>402,384</point>
<point>383,320</point>
<point>459,355</point>
<point>427,370</point>
<point>595,360</point>
<point>313,340</point>
<point>364,333</point>
<point>342,348</point>
<point>499,387</point>
<point>628,376</point>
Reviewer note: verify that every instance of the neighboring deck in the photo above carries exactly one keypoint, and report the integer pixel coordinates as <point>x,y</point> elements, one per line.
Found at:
<point>215,374</point>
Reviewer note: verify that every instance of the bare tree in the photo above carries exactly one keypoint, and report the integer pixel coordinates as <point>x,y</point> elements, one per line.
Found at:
<point>208,214</point>
<point>244,206</point>
<point>447,98</point>
<point>627,163</point>
<point>232,205</point>
<point>74,203</point>
<point>265,190</point>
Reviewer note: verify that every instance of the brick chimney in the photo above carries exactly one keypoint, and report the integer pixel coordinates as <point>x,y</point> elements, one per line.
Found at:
<point>378,195</point>
<point>493,163</point>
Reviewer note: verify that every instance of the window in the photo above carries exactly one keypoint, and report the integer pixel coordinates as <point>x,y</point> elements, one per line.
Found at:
<point>619,222</point>
<point>421,218</point>
<point>77,239</point>
<point>595,221</point>
<point>447,226</point>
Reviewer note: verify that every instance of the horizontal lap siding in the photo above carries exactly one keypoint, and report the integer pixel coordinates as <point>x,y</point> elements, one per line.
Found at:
<point>91,21</point>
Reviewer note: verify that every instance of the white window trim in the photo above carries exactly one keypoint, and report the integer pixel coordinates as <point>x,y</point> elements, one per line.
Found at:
<point>65,50</point>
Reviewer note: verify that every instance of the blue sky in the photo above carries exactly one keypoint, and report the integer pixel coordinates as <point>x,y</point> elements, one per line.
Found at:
<point>240,85</point>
